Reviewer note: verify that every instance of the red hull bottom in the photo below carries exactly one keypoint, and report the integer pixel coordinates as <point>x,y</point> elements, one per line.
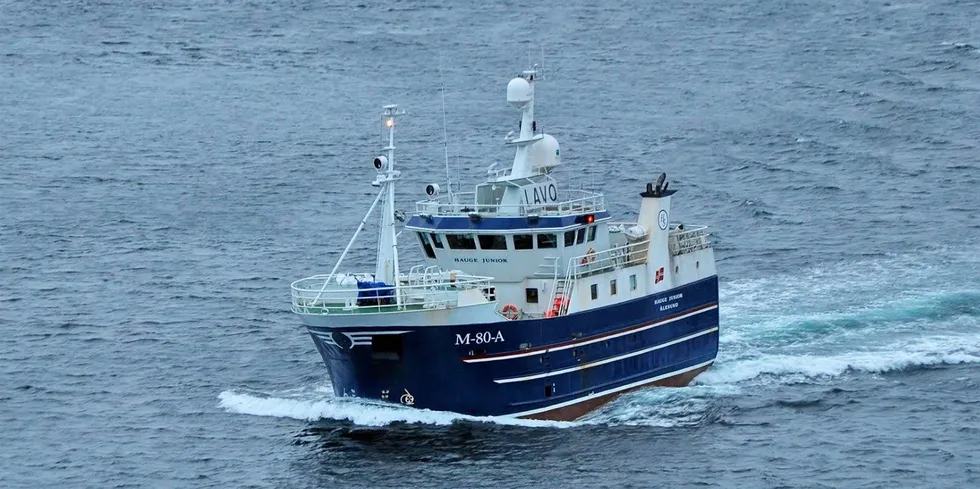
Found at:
<point>575,411</point>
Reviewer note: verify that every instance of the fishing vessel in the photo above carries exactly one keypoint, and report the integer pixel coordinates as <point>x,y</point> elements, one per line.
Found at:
<point>531,301</point>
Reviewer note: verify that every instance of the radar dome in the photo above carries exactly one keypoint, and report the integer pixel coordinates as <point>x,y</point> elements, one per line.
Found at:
<point>519,92</point>
<point>545,153</point>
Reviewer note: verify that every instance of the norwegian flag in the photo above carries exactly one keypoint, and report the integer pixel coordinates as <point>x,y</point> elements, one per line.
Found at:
<point>659,276</point>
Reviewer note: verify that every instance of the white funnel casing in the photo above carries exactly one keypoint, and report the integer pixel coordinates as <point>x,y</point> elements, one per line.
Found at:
<point>655,218</point>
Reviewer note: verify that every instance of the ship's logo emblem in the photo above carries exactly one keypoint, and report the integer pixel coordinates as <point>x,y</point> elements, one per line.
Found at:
<point>407,398</point>
<point>342,340</point>
<point>384,394</point>
<point>662,219</point>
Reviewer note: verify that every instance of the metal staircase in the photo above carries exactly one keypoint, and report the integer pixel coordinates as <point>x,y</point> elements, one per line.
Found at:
<point>560,296</point>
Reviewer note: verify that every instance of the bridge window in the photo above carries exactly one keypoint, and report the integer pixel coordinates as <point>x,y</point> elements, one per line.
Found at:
<point>591,234</point>
<point>436,240</point>
<point>493,242</point>
<point>461,241</point>
<point>531,294</point>
<point>547,241</point>
<point>523,241</point>
<point>569,238</point>
<point>581,236</point>
<point>425,246</point>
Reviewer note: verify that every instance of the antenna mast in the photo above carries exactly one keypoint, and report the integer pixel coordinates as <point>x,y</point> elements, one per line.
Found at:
<point>445,135</point>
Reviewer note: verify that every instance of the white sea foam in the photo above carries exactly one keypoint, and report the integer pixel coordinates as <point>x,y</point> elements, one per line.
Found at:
<point>783,368</point>
<point>841,311</point>
<point>316,406</point>
<point>653,407</point>
<point>661,407</point>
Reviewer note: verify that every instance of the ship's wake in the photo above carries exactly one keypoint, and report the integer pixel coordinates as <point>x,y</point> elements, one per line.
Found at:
<point>879,315</point>
<point>817,327</point>
<point>320,403</point>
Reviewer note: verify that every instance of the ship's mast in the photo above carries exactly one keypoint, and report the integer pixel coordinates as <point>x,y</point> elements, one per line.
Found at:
<point>523,97</point>
<point>387,263</point>
<point>520,94</point>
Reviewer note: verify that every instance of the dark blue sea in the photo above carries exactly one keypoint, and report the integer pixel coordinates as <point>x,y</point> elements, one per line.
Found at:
<point>167,168</point>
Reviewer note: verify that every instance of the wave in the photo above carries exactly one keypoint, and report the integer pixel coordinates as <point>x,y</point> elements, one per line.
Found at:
<point>901,316</point>
<point>313,406</point>
<point>882,314</point>
<point>873,295</point>
<point>900,356</point>
<point>662,407</point>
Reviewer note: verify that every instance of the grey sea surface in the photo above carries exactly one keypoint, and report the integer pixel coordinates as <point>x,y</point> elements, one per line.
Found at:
<point>168,168</point>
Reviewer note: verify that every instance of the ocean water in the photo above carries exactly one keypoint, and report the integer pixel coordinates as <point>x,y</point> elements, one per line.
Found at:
<point>168,168</point>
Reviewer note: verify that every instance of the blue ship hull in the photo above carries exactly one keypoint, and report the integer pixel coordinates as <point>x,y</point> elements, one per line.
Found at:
<point>557,368</point>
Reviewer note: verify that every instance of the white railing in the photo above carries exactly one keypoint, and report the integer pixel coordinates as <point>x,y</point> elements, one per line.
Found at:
<point>506,172</point>
<point>628,255</point>
<point>620,226</point>
<point>687,240</point>
<point>432,290</point>
<point>579,201</point>
<point>560,289</point>
<point>601,261</point>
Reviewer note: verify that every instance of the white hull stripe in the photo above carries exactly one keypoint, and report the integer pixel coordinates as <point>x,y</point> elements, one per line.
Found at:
<point>589,342</point>
<point>358,333</point>
<point>610,391</point>
<point>607,360</point>
<point>358,338</point>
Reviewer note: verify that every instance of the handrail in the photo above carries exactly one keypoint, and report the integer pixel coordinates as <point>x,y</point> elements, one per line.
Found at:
<point>506,172</point>
<point>688,240</point>
<point>613,258</point>
<point>687,230</point>
<point>568,284</point>
<point>580,266</point>
<point>589,202</point>
<point>554,288</point>
<point>315,295</point>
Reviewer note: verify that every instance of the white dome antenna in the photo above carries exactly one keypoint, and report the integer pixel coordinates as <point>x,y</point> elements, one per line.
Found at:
<point>519,92</point>
<point>545,154</point>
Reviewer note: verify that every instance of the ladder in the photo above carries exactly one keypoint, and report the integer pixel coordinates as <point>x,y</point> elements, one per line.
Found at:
<point>560,297</point>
